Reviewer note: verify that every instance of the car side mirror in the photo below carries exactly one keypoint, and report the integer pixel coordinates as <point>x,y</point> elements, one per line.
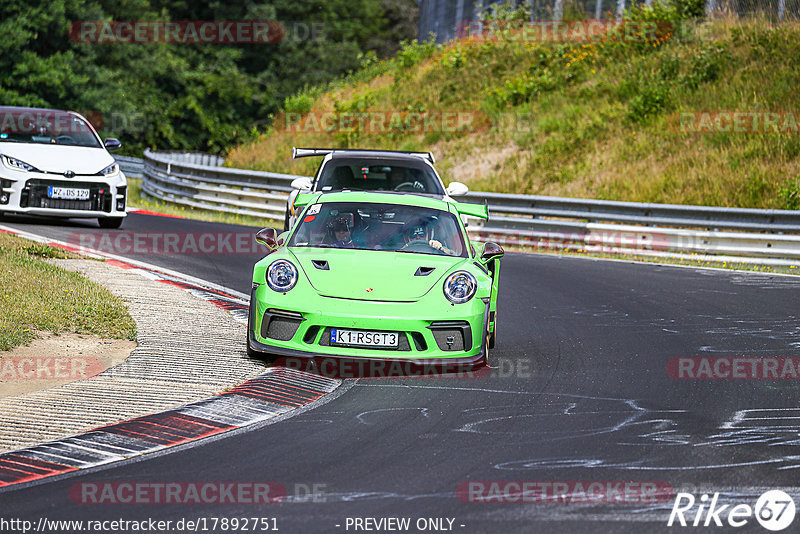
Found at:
<point>112,144</point>
<point>282,238</point>
<point>302,183</point>
<point>457,189</point>
<point>269,238</point>
<point>491,251</point>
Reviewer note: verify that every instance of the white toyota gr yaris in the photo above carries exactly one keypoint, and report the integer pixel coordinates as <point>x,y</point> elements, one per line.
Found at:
<point>53,163</point>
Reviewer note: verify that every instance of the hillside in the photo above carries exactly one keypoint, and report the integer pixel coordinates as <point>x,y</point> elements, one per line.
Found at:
<point>678,112</point>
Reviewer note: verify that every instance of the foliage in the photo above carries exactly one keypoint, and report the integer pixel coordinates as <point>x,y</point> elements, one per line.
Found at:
<point>594,118</point>
<point>789,192</point>
<point>188,96</point>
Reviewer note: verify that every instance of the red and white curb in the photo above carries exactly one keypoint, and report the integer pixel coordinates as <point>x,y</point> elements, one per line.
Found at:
<point>266,396</point>
<point>269,395</point>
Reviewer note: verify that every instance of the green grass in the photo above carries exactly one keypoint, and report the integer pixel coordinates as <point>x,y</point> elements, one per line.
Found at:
<point>138,199</point>
<point>37,296</point>
<point>589,120</point>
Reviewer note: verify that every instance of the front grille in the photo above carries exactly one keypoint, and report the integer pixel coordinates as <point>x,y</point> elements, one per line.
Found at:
<point>402,342</point>
<point>452,335</point>
<point>310,335</point>
<point>34,195</point>
<point>279,325</point>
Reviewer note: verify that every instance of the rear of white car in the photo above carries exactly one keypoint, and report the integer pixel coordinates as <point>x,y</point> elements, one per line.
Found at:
<point>371,170</point>
<point>53,163</point>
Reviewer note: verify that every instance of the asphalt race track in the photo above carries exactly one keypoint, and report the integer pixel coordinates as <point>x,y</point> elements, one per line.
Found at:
<point>580,393</point>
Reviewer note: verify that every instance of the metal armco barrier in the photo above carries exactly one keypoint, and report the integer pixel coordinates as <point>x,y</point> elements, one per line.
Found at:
<point>132,167</point>
<point>528,221</point>
<point>183,179</point>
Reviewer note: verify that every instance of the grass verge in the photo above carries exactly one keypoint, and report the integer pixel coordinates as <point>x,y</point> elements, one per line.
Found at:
<point>37,296</point>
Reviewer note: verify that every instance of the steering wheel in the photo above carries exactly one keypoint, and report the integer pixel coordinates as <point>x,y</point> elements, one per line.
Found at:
<point>65,139</point>
<point>411,185</point>
<point>418,246</point>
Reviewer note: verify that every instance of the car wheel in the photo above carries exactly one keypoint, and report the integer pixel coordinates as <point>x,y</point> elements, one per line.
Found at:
<point>286,221</point>
<point>110,222</point>
<point>490,339</point>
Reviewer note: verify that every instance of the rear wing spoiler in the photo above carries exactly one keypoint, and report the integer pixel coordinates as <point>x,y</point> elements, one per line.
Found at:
<point>473,210</point>
<point>304,199</point>
<point>308,152</point>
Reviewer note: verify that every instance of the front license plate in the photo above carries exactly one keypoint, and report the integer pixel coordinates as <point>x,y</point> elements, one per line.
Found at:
<point>363,339</point>
<point>68,193</point>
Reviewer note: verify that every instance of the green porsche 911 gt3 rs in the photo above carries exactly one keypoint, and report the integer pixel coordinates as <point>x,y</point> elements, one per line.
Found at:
<point>376,276</point>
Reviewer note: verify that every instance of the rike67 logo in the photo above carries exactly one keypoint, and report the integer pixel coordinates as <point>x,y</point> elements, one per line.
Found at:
<point>774,510</point>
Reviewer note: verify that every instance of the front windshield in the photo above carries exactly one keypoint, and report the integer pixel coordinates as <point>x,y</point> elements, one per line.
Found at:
<point>45,127</point>
<point>370,226</point>
<point>365,174</point>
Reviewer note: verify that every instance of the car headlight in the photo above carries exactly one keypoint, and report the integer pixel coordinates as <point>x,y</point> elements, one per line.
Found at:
<point>459,287</point>
<point>110,170</point>
<point>17,165</point>
<point>281,276</point>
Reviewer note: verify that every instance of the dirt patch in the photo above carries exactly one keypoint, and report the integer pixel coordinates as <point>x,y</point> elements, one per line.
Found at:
<point>53,360</point>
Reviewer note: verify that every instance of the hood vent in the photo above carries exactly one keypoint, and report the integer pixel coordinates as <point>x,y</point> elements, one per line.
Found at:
<point>424,271</point>
<point>322,265</point>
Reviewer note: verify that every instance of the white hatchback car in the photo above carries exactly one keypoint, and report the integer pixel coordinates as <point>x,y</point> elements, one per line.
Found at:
<point>53,163</point>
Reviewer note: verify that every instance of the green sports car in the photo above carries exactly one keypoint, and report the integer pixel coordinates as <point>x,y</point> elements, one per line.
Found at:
<point>376,277</point>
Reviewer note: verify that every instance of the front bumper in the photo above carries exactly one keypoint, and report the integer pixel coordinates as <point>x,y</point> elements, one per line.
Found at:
<point>29,195</point>
<point>423,333</point>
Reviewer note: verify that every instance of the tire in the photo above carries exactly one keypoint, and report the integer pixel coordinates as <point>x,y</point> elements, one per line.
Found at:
<point>286,221</point>
<point>110,222</point>
<point>490,340</point>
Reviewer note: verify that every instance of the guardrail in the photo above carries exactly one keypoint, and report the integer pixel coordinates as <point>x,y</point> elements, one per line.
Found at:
<point>528,221</point>
<point>182,180</point>
<point>132,167</point>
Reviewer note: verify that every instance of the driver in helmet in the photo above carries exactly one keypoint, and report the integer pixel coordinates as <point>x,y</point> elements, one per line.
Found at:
<point>422,232</point>
<point>340,230</point>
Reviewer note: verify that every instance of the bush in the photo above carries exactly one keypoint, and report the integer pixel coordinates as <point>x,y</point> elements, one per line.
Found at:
<point>705,66</point>
<point>689,9</point>
<point>789,193</point>
<point>653,97</point>
<point>412,53</point>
